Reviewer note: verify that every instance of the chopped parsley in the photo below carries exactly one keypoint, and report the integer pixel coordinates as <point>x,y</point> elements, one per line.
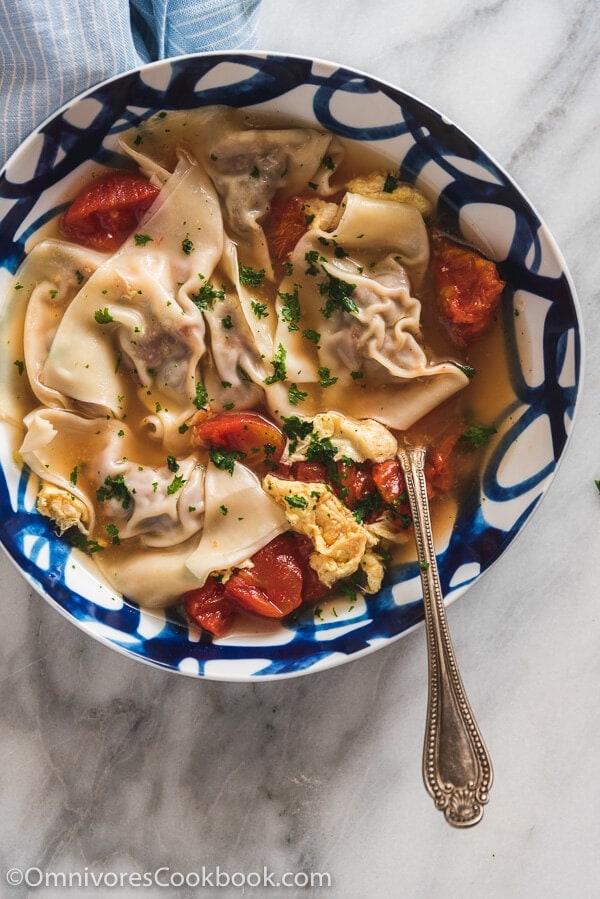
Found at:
<point>468,370</point>
<point>80,541</point>
<point>328,162</point>
<point>311,335</point>
<point>223,510</point>
<point>223,460</point>
<point>390,184</point>
<point>339,296</point>
<point>295,395</point>
<point>142,239</point>
<point>187,245</point>
<point>295,429</point>
<point>278,363</point>
<point>172,463</point>
<point>114,488</point>
<point>73,477</point>
<point>20,365</point>
<point>201,397</point>
<point>259,309</point>
<point>313,257</point>
<point>176,484</point>
<point>325,379</point>
<point>103,316</point>
<point>296,502</point>
<point>227,322</point>
<point>249,277</point>
<point>113,533</point>
<point>255,173</point>
<point>290,310</point>
<point>477,434</point>
<point>206,297</point>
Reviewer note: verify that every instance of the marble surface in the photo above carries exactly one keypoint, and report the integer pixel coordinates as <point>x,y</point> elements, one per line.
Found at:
<point>110,766</point>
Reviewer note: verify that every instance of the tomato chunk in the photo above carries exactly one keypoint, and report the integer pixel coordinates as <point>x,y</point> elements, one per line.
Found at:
<point>209,608</point>
<point>273,586</point>
<point>284,226</point>
<point>108,210</point>
<point>255,438</point>
<point>468,288</point>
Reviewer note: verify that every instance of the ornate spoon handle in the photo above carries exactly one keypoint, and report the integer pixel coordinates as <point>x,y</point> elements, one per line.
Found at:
<point>456,766</point>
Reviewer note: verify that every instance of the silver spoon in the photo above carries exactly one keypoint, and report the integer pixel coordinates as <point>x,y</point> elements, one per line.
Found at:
<point>456,766</point>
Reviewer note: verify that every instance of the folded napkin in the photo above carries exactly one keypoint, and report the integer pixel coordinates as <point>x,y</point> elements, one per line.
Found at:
<point>51,50</point>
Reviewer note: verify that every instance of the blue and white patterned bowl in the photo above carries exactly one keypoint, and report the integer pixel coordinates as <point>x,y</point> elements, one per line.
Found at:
<point>545,355</point>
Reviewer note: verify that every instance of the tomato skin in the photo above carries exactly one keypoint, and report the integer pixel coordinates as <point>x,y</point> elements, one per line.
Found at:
<point>468,288</point>
<point>209,608</point>
<point>107,211</point>
<point>248,433</point>
<point>439,469</point>
<point>389,480</point>
<point>273,586</point>
<point>284,226</point>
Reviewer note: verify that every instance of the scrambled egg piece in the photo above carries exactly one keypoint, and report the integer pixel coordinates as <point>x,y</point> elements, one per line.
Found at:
<point>353,438</point>
<point>324,214</point>
<point>372,186</point>
<point>65,510</point>
<point>341,544</point>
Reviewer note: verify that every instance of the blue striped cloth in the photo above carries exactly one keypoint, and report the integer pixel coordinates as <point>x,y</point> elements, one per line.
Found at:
<point>51,50</point>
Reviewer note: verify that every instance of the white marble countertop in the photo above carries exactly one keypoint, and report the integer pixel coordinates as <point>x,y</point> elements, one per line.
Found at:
<point>109,765</point>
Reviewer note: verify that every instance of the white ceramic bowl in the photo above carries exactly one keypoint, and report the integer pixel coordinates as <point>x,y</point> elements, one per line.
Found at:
<point>545,351</point>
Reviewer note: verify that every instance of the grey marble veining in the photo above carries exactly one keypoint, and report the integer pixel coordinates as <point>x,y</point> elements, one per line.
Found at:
<point>110,765</point>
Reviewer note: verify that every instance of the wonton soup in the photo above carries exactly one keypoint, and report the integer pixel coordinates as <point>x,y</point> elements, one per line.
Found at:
<point>213,354</point>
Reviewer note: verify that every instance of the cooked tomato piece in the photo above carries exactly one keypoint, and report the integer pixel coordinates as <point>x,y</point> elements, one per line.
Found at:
<point>312,588</point>
<point>389,480</point>
<point>310,471</point>
<point>284,226</point>
<point>468,288</point>
<point>257,439</point>
<point>108,210</point>
<point>273,586</point>
<point>439,468</point>
<point>209,608</point>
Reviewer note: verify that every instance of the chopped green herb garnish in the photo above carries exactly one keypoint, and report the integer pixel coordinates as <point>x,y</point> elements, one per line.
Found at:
<point>224,460</point>
<point>103,316</point>
<point>187,245</point>
<point>223,510</point>
<point>296,429</point>
<point>295,395</point>
<point>339,296</point>
<point>313,257</point>
<point>311,335</point>
<point>296,502</point>
<point>206,297</point>
<point>20,365</point>
<point>113,533</point>
<point>176,484</point>
<point>255,173</point>
<point>142,239</point>
<point>290,310</point>
<point>172,463</point>
<point>73,477</point>
<point>227,322</point>
<point>468,370</point>
<point>278,363</point>
<point>259,309</point>
<point>390,184</point>
<point>114,488</point>
<point>249,277</point>
<point>325,379</point>
<point>477,434</point>
<point>201,397</point>
<point>328,162</point>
